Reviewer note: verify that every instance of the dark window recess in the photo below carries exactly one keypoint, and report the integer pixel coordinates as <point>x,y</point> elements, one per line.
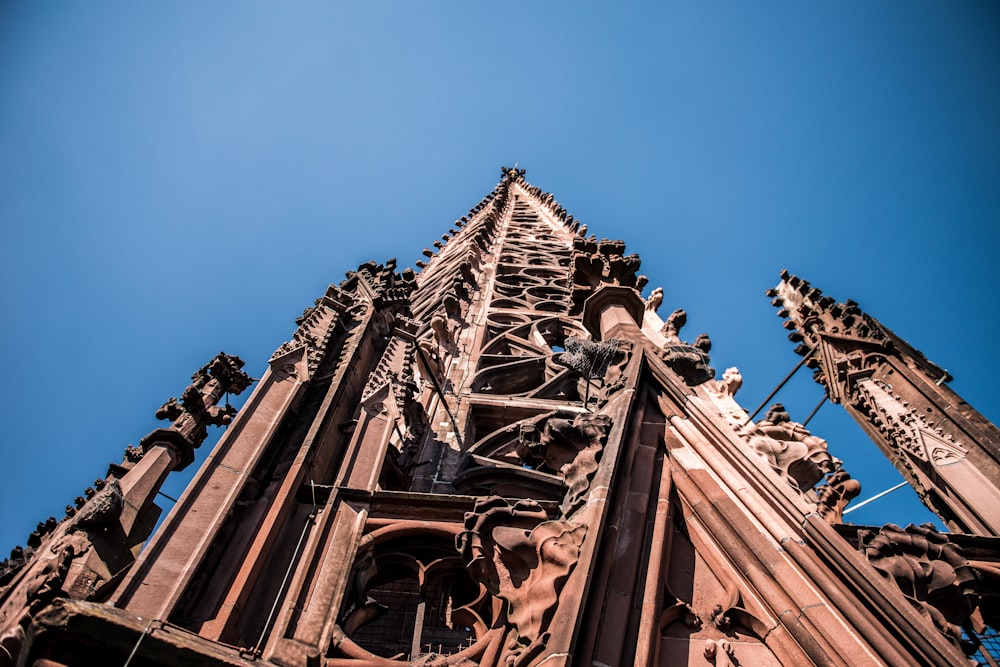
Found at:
<point>411,621</point>
<point>391,634</point>
<point>443,632</point>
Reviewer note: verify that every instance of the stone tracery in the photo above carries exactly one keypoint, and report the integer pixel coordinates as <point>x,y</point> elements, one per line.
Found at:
<point>511,459</point>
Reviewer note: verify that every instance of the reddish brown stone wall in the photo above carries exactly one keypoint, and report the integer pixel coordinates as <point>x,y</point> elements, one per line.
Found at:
<point>511,459</point>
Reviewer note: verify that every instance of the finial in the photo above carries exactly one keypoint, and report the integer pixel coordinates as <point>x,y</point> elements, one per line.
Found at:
<point>512,173</point>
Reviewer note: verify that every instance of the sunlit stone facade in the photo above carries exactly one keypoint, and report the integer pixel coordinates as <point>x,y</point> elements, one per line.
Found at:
<point>510,458</point>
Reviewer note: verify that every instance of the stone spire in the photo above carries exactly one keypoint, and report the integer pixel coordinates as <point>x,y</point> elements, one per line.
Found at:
<point>82,556</point>
<point>943,447</point>
<point>508,458</point>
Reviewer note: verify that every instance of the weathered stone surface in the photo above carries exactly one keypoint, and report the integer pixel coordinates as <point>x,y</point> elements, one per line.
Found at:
<point>928,569</point>
<point>509,458</point>
<point>523,559</point>
<point>82,556</point>
<point>943,447</point>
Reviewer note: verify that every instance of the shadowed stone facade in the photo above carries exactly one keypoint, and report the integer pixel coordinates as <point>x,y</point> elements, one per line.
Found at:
<point>509,458</point>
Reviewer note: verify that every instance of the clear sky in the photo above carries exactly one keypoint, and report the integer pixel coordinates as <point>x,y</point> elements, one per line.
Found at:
<point>180,178</point>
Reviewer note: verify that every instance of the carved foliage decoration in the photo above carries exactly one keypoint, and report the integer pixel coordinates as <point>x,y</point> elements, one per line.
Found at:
<point>551,456</point>
<point>803,461</point>
<point>602,263</point>
<point>197,407</point>
<point>570,446</point>
<point>930,571</point>
<point>834,493</point>
<point>793,452</point>
<point>524,559</point>
<point>596,262</point>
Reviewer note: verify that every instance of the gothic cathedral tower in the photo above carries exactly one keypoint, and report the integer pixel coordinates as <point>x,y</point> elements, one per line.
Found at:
<point>510,458</point>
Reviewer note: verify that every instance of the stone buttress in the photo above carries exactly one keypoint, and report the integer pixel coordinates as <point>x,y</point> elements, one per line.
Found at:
<point>510,458</point>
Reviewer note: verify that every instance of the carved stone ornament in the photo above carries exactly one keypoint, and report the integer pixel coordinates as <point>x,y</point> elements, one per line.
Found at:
<point>382,283</point>
<point>811,314</point>
<point>601,263</point>
<point>655,299</point>
<point>729,384</point>
<point>604,262</point>
<point>719,652</point>
<point>833,495</point>
<point>803,461</point>
<point>792,451</point>
<point>929,570</point>
<point>569,446</point>
<point>909,430</point>
<point>197,409</point>
<point>691,362</point>
<point>444,332</point>
<point>39,585</point>
<point>524,559</point>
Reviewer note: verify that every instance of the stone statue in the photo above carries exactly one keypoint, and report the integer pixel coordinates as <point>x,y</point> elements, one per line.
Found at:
<point>730,383</point>
<point>655,299</point>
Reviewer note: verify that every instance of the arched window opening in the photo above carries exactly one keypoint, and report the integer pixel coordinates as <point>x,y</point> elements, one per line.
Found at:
<point>447,628</point>
<point>413,602</point>
<point>390,632</point>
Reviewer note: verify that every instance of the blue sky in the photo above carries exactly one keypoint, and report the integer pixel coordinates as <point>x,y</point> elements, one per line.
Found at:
<point>180,178</point>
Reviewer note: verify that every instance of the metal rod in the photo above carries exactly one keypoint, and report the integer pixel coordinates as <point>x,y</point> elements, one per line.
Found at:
<point>782,383</point>
<point>139,641</point>
<point>281,589</point>
<point>171,499</point>
<point>440,393</point>
<point>875,497</point>
<point>815,410</point>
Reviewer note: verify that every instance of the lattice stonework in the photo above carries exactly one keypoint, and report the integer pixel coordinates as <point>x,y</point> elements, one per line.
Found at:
<point>507,457</point>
